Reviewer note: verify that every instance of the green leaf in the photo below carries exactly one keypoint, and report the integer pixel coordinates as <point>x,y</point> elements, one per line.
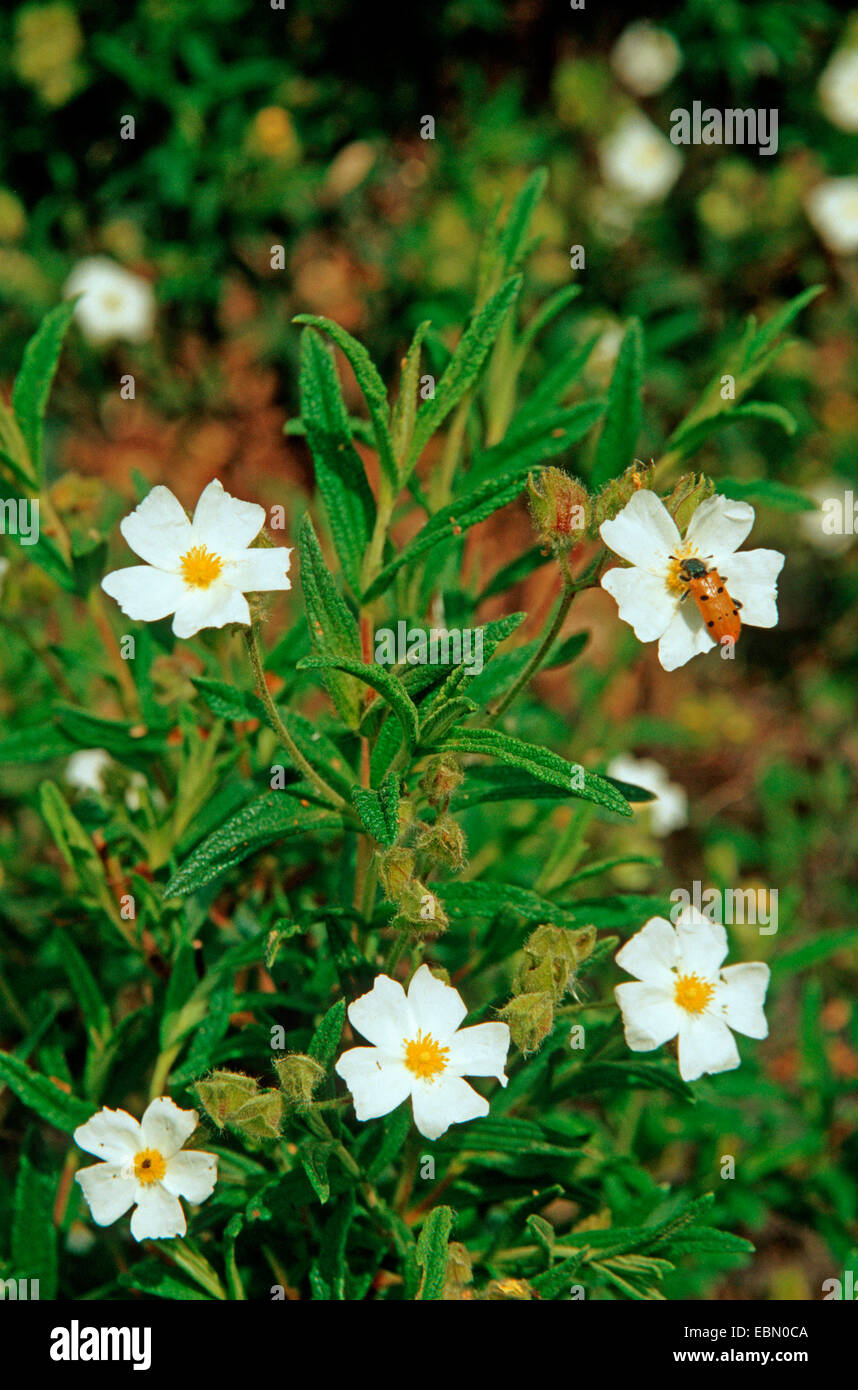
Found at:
<point>150,1276</point>
<point>379,810</point>
<point>685,441</point>
<point>405,410</point>
<point>540,763</point>
<point>533,440</point>
<point>94,1010</point>
<point>314,1161</point>
<point>339,472</point>
<point>370,384</point>
<point>41,1094</point>
<point>513,239</point>
<point>389,687</point>
<point>463,369</point>
<point>767,493</point>
<point>432,1253</point>
<point>34,381</point>
<point>334,633</point>
<point>485,898</point>
<point>326,1039</point>
<point>34,1237</point>
<point>812,952</point>
<point>618,440</point>
<point>273,816</point>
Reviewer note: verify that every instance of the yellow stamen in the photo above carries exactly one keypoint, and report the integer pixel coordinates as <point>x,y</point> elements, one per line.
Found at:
<point>675,582</point>
<point>424,1057</point>
<point>693,994</point>
<point>149,1166</point>
<point>200,567</point>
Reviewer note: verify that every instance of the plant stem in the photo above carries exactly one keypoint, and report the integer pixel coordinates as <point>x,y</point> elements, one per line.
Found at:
<point>570,589</point>
<point>326,792</point>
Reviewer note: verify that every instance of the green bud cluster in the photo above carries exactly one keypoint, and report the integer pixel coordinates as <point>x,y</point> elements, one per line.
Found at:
<point>552,958</point>
<point>235,1101</point>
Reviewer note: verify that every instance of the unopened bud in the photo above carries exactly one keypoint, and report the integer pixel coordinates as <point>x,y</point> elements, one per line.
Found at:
<point>553,955</point>
<point>458,1275</point>
<point>560,507</point>
<point>420,911</point>
<point>618,491</point>
<point>395,872</point>
<point>499,1290</point>
<point>441,778</point>
<point>686,497</point>
<point>235,1100</point>
<point>299,1076</point>
<point>443,842</point>
<point>530,1018</point>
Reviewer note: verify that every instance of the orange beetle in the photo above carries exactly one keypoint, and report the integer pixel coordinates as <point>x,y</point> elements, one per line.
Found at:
<point>718,610</point>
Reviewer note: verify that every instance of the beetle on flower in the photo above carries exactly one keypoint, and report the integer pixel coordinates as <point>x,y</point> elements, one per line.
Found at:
<point>650,591</point>
<point>198,570</point>
<point>419,1051</point>
<point>145,1165</point>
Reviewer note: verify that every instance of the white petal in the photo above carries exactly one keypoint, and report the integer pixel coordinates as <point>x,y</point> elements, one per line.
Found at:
<point>165,1127</point>
<point>719,525</point>
<point>752,578</point>
<point>108,1189</point>
<point>212,607</point>
<point>158,1215</point>
<point>705,1045</point>
<point>158,530</point>
<point>383,1016</point>
<point>191,1174</point>
<point>702,944</point>
<point>437,1008</point>
<point>446,1101</point>
<point>480,1051</point>
<point>644,532</point>
<point>144,593</point>
<point>225,524</point>
<point>651,1016</point>
<point>643,600</point>
<point>685,637</point>
<point>743,995</point>
<point>85,769</point>
<point>651,954</point>
<point>111,1134</point>
<point>257,571</point>
<point>378,1082</point>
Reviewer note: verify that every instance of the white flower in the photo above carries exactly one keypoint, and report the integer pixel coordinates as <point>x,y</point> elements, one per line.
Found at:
<point>639,161</point>
<point>832,207</point>
<point>420,1051</point>
<point>669,810</point>
<point>645,58</point>
<point>838,89</point>
<point>649,595</point>
<point>827,527</point>
<point>115,303</point>
<point>199,570</point>
<point>85,769</point>
<point>145,1165</point>
<point>681,988</point>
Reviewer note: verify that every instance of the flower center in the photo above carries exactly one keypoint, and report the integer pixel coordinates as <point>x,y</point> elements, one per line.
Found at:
<point>200,567</point>
<point>675,582</point>
<point>692,993</point>
<point>149,1166</point>
<point>425,1057</point>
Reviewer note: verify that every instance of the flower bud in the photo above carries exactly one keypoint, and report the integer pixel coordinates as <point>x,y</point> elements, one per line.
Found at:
<point>420,911</point>
<point>530,1018</point>
<point>560,507</point>
<point>552,957</point>
<point>443,842</point>
<point>502,1290</point>
<point>232,1099</point>
<point>299,1076</point>
<point>458,1275</point>
<point>441,778</point>
<point>617,492</point>
<point>396,872</point>
<point>686,497</point>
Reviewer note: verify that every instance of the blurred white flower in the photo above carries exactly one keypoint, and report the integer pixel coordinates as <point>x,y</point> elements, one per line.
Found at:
<point>115,303</point>
<point>838,89</point>
<point>817,526</point>
<point>649,594</point>
<point>645,58</point>
<point>639,161</point>
<point>199,570</point>
<point>420,1051</point>
<point>669,810</point>
<point>832,207</point>
<point>145,1164</point>
<point>85,770</point>
<point>681,988</point>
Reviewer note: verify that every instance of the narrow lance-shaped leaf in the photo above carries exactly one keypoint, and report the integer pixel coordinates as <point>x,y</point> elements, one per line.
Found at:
<point>334,633</point>
<point>541,763</point>
<point>34,381</point>
<point>616,447</point>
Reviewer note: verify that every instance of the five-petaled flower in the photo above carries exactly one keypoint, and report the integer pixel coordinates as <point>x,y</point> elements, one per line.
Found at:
<point>682,988</point>
<point>199,570</point>
<point>114,303</point>
<point>420,1051</point>
<point>649,594</point>
<point>144,1164</point>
